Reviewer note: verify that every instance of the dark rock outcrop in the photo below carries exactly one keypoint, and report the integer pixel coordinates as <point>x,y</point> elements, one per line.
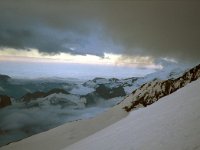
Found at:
<point>107,92</point>
<point>91,98</point>
<point>4,101</point>
<point>153,91</point>
<point>103,92</point>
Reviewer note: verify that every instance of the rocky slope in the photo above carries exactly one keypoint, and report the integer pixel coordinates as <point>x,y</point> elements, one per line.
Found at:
<point>151,92</point>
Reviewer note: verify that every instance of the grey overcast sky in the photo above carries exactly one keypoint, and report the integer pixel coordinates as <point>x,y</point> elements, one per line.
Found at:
<point>131,28</point>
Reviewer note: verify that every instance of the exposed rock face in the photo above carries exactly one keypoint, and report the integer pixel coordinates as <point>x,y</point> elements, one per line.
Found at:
<point>4,101</point>
<point>103,92</point>
<point>31,96</point>
<point>153,91</point>
<point>107,92</point>
<point>91,98</point>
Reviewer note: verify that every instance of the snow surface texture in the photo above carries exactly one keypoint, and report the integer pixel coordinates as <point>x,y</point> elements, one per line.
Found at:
<point>171,123</point>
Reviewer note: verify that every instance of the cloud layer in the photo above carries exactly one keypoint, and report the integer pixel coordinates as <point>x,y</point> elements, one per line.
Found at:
<point>144,28</point>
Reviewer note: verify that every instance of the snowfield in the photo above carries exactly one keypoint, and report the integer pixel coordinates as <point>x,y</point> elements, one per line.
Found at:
<point>43,110</point>
<point>171,123</point>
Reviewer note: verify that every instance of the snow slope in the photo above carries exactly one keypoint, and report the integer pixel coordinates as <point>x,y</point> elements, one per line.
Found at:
<point>62,136</point>
<point>171,123</point>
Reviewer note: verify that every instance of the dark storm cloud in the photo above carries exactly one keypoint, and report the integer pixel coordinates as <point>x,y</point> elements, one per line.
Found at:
<point>146,28</point>
<point>49,26</point>
<point>158,28</point>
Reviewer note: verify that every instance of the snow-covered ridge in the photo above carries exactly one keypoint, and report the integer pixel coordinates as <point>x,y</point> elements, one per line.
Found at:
<point>173,123</point>
<point>151,92</point>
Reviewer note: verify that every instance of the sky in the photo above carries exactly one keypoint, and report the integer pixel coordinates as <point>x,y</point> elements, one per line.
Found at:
<point>114,34</point>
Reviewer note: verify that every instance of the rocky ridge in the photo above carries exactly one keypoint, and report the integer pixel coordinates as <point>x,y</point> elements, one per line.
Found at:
<point>151,92</point>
